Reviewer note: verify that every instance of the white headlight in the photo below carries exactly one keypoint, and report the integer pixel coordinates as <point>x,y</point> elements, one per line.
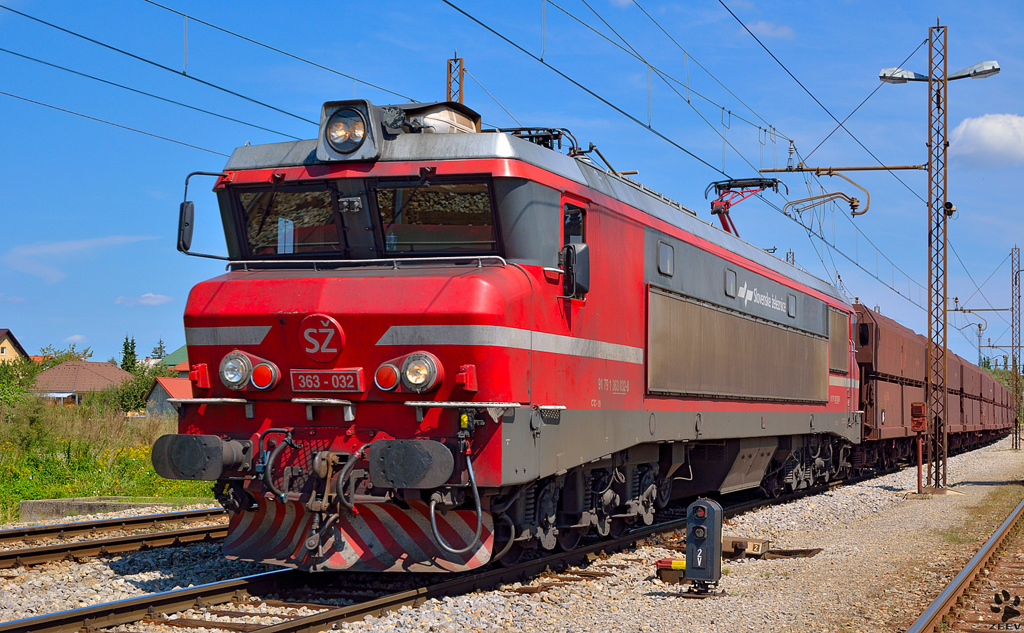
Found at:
<point>419,373</point>
<point>345,130</point>
<point>235,370</point>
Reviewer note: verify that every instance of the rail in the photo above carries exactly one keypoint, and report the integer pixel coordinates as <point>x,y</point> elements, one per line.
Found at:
<point>931,619</point>
<point>116,545</point>
<point>81,528</point>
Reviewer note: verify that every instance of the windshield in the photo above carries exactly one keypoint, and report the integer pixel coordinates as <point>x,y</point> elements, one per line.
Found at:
<point>360,219</point>
<point>287,222</point>
<point>436,218</point>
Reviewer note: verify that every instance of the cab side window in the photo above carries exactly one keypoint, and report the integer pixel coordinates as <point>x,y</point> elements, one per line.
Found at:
<point>574,258</point>
<point>574,221</point>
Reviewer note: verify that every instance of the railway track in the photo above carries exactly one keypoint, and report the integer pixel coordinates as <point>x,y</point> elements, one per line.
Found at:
<point>66,540</point>
<point>238,600</point>
<point>234,603</point>
<point>964,605</point>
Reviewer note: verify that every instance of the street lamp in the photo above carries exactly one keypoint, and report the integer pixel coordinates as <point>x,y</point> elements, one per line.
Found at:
<point>901,76</point>
<point>939,210</point>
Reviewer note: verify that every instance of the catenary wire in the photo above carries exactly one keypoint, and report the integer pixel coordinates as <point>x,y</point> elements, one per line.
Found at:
<point>278,50</point>
<point>492,97</point>
<point>159,65</point>
<point>667,77</point>
<point>123,127</point>
<point>877,88</point>
<point>845,129</point>
<point>147,94</point>
<point>809,229</point>
<point>987,280</point>
<point>811,95</point>
<point>699,65</point>
<point>971,277</point>
<point>587,90</point>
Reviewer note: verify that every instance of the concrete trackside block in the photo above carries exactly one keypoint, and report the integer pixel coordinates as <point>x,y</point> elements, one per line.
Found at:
<point>49,509</point>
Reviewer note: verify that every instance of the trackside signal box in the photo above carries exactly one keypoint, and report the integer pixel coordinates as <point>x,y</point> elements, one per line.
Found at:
<point>704,544</point>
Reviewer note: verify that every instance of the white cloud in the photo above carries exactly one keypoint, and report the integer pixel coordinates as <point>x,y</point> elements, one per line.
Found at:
<point>771,30</point>
<point>989,140</point>
<point>148,299</point>
<point>41,259</point>
<point>74,338</point>
<point>11,298</point>
<point>622,3</point>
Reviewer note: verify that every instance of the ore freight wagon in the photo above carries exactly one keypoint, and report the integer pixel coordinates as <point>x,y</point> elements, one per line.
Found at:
<point>437,346</point>
<point>893,366</point>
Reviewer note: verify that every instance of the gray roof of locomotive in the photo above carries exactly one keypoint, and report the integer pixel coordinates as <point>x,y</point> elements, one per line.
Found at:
<point>412,147</point>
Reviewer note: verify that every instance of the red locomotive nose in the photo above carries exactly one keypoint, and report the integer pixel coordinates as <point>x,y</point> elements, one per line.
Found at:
<point>386,377</point>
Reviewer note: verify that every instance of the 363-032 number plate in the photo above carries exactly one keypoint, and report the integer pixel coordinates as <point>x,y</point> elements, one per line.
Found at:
<point>350,380</point>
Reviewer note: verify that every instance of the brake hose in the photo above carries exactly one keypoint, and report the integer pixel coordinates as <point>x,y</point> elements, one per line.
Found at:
<point>268,469</point>
<point>479,517</point>
<point>343,476</point>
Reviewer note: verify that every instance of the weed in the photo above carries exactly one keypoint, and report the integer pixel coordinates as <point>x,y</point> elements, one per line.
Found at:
<point>49,452</point>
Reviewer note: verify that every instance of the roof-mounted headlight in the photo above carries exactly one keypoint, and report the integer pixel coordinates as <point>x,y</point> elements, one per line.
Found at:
<point>346,130</point>
<point>349,130</point>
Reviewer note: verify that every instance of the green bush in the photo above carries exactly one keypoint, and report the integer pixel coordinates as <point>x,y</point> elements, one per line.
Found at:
<point>48,451</point>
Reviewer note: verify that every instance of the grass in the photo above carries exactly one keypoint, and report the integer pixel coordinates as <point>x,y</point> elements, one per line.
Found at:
<point>54,452</point>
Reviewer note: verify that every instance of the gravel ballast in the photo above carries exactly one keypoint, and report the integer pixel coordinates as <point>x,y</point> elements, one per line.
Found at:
<point>886,555</point>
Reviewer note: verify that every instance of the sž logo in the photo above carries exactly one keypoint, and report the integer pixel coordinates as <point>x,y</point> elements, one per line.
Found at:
<point>321,337</point>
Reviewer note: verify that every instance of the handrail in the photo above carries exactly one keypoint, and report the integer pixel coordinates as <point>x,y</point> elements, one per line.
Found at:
<point>932,616</point>
<point>393,261</point>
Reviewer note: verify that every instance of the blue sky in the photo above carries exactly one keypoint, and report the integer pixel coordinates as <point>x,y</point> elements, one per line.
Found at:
<point>90,210</point>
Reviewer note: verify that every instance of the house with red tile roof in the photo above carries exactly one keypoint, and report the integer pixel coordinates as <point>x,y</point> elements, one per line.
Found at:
<point>70,381</point>
<point>164,388</point>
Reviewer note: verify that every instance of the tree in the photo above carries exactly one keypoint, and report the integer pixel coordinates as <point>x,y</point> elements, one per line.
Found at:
<point>159,351</point>
<point>128,358</point>
<point>53,356</point>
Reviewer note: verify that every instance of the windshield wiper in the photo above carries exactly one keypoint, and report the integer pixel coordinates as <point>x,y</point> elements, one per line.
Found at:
<point>425,173</point>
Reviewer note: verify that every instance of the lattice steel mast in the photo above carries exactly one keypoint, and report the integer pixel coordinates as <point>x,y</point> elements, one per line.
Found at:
<point>937,219</point>
<point>456,74</point>
<point>1015,346</point>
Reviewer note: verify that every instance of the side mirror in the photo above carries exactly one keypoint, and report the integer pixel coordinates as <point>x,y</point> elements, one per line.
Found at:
<point>576,280</point>
<point>185,219</point>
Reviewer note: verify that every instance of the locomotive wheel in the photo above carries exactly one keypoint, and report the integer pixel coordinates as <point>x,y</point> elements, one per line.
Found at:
<point>619,527</point>
<point>513,556</point>
<point>664,494</point>
<point>569,538</point>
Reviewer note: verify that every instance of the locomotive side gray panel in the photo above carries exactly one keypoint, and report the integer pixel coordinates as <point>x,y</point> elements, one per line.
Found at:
<point>712,279</point>
<point>582,437</point>
<point>531,221</point>
<point>701,350</point>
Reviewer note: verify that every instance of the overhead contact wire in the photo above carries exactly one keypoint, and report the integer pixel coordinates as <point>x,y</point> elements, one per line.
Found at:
<point>147,94</point>
<point>877,88</point>
<point>159,65</point>
<point>667,78</point>
<point>588,91</point>
<point>278,50</point>
<point>123,127</point>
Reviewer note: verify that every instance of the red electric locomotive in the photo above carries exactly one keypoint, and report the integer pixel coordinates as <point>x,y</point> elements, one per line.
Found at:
<point>438,346</point>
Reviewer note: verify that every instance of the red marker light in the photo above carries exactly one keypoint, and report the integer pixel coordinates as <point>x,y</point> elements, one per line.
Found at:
<point>700,512</point>
<point>263,376</point>
<point>386,377</point>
